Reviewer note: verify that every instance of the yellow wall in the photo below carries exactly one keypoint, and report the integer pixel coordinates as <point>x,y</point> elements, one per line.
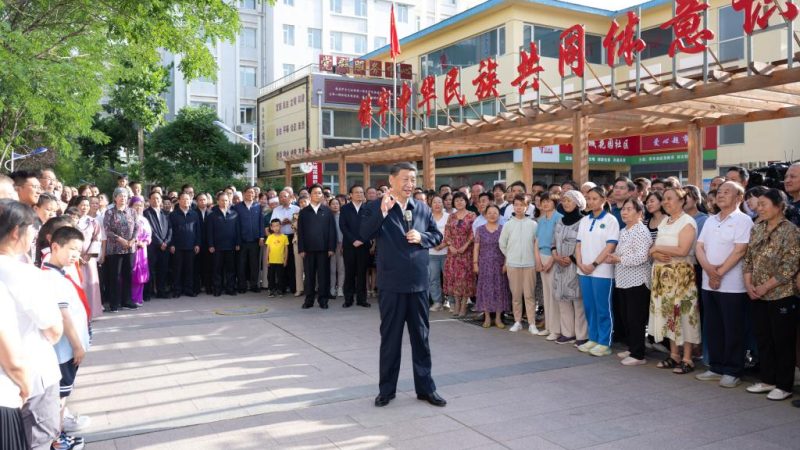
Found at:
<point>272,119</point>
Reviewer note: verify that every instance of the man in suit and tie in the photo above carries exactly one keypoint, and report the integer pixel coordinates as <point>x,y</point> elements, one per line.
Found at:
<point>316,228</point>
<point>251,233</point>
<point>202,262</point>
<point>185,245</point>
<point>355,250</point>
<point>223,241</point>
<point>158,250</point>
<point>405,230</point>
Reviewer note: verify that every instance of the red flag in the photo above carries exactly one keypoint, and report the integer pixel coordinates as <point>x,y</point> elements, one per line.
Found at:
<point>395,44</point>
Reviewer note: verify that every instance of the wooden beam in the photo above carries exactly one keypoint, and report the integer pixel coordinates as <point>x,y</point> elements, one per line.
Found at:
<point>342,174</point>
<point>695,150</point>
<point>580,148</point>
<point>527,165</point>
<point>366,169</point>
<point>428,165</point>
<point>288,174</point>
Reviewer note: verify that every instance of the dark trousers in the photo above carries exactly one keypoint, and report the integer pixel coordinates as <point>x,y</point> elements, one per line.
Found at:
<point>183,272</point>
<point>776,325</point>
<point>355,273</point>
<point>317,270</point>
<point>247,265</point>
<point>158,263</point>
<point>224,271</point>
<point>634,309</point>
<point>275,278</point>
<point>620,329</point>
<point>288,274</point>
<point>397,310</point>
<point>118,279</point>
<point>724,325</point>
<point>202,271</point>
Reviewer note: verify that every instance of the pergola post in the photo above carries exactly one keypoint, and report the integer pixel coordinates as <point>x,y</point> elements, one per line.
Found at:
<point>527,165</point>
<point>429,166</point>
<point>288,175</point>
<point>695,154</point>
<point>367,176</point>
<point>580,148</point>
<point>342,175</point>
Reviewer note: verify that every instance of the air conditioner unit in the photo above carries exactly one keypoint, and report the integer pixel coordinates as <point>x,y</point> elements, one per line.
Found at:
<point>237,128</point>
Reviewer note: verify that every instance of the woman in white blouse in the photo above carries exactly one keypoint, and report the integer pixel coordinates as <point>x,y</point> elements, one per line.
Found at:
<point>632,277</point>
<point>437,256</point>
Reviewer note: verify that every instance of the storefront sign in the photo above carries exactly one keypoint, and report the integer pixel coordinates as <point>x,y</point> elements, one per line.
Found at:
<point>348,92</point>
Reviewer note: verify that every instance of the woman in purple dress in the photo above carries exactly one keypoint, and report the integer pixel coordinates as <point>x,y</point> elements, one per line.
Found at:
<point>141,273</point>
<point>489,264</point>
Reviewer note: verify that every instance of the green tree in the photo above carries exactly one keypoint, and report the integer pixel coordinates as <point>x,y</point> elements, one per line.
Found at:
<point>57,57</point>
<point>191,149</point>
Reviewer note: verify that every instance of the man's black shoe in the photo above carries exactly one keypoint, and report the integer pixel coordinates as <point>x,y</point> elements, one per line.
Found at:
<point>324,306</point>
<point>433,398</point>
<point>365,304</point>
<point>796,403</point>
<point>255,289</point>
<point>217,294</point>
<point>191,295</point>
<point>306,306</point>
<point>131,306</point>
<point>176,295</point>
<point>383,400</point>
<point>231,293</point>
<point>347,305</point>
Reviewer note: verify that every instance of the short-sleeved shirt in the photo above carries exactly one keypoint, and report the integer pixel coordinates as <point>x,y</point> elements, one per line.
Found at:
<point>9,392</point>
<point>594,233</point>
<point>36,310</point>
<point>440,225</point>
<point>509,212</point>
<point>545,230</point>
<point>69,300</point>
<point>669,235</point>
<point>719,237</point>
<point>278,245</point>
<point>280,212</point>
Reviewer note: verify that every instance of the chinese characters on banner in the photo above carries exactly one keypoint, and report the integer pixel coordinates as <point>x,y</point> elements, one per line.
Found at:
<point>758,12</point>
<point>452,88</point>
<point>486,81</point>
<point>403,100</point>
<point>375,69</point>
<point>625,43</point>
<point>325,63</point>
<point>528,66</point>
<point>365,111</point>
<point>383,104</point>
<point>315,176</point>
<point>360,67</point>
<point>342,65</point>
<point>572,50</point>
<point>428,92</point>
<point>689,38</point>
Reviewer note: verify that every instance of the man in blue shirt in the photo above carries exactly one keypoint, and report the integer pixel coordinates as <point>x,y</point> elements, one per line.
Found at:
<point>405,230</point>
<point>251,234</point>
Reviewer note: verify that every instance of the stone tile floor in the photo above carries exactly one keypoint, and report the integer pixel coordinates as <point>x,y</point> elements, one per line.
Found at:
<point>220,373</point>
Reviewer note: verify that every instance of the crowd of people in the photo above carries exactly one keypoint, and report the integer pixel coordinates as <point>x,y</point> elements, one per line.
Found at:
<point>649,263</point>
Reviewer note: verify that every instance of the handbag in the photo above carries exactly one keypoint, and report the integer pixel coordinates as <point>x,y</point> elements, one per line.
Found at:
<point>141,273</point>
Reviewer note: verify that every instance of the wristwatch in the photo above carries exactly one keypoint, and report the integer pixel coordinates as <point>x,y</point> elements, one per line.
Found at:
<point>595,263</point>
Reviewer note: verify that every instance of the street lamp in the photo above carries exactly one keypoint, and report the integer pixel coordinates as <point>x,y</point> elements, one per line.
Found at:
<point>253,147</point>
<point>9,165</point>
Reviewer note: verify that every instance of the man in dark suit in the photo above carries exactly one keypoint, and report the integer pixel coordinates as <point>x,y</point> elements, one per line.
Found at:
<point>251,233</point>
<point>202,262</point>
<point>355,250</point>
<point>185,245</point>
<point>222,233</point>
<point>158,250</point>
<point>316,228</point>
<point>403,280</point>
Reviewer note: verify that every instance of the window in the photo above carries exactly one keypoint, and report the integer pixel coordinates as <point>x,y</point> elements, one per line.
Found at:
<point>247,4</point>
<point>468,52</point>
<point>247,115</point>
<point>288,34</point>
<point>248,38</point>
<point>288,2</point>
<point>658,42</point>
<point>379,42</point>
<point>402,13</point>
<point>731,134</point>
<point>336,6</point>
<point>550,40</point>
<point>327,123</point>
<point>360,44</point>
<point>336,41</point>
<point>315,38</point>
<point>205,80</point>
<point>288,69</point>
<point>248,76</point>
<point>361,8</point>
<point>731,34</point>
<point>210,105</point>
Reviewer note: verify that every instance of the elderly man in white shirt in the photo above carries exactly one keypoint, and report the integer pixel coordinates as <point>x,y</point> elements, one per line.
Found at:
<point>285,212</point>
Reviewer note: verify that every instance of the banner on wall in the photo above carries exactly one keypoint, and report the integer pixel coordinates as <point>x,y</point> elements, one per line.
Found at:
<point>314,176</point>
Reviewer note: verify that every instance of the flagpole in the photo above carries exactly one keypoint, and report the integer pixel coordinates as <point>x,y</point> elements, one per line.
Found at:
<point>394,73</point>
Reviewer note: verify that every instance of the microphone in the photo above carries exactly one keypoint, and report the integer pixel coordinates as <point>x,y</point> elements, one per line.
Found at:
<point>408,217</point>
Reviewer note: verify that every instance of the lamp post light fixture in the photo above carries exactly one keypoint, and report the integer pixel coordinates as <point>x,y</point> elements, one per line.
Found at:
<point>253,147</point>
<point>9,165</point>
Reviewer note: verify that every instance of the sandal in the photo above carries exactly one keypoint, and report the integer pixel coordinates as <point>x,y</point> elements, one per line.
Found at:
<point>500,325</point>
<point>486,325</point>
<point>684,368</point>
<point>668,363</point>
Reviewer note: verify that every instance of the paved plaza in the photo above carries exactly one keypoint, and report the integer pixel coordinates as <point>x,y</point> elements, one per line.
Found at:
<point>248,372</point>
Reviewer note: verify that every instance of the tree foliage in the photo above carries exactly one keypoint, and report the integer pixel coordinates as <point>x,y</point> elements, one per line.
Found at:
<point>191,149</point>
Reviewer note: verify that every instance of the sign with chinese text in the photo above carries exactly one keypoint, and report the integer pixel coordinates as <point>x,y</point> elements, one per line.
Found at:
<point>342,65</point>
<point>376,69</point>
<point>350,92</point>
<point>405,72</point>
<point>360,67</point>
<point>326,63</point>
<point>315,175</point>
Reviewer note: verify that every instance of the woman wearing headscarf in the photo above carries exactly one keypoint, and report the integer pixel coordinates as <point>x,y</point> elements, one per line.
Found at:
<point>566,287</point>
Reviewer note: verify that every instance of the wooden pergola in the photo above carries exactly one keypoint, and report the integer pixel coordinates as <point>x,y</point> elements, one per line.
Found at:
<point>686,104</point>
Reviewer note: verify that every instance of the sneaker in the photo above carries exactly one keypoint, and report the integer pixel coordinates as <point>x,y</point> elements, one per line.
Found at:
<point>446,305</point>
<point>586,346</point>
<point>64,442</point>
<point>708,376</point>
<point>579,342</point>
<point>436,307</point>
<point>760,388</point>
<point>73,423</point>
<point>729,381</point>
<point>631,361</point>
<point>600,350</point>
<point>552,337</point>
<point>778,395</point>
<point>271,295</point>
<point>340,293</point>
<point>544,333</point>
<point>565,340</point>
<point>623,355</point>
<point>533,330</point>
<point>516,327</point>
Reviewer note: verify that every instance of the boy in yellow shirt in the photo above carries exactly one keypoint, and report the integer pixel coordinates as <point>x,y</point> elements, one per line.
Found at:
<point>278,251</point>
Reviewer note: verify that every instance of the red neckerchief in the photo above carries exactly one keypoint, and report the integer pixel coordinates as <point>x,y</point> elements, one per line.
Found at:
<point>78,289</point>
